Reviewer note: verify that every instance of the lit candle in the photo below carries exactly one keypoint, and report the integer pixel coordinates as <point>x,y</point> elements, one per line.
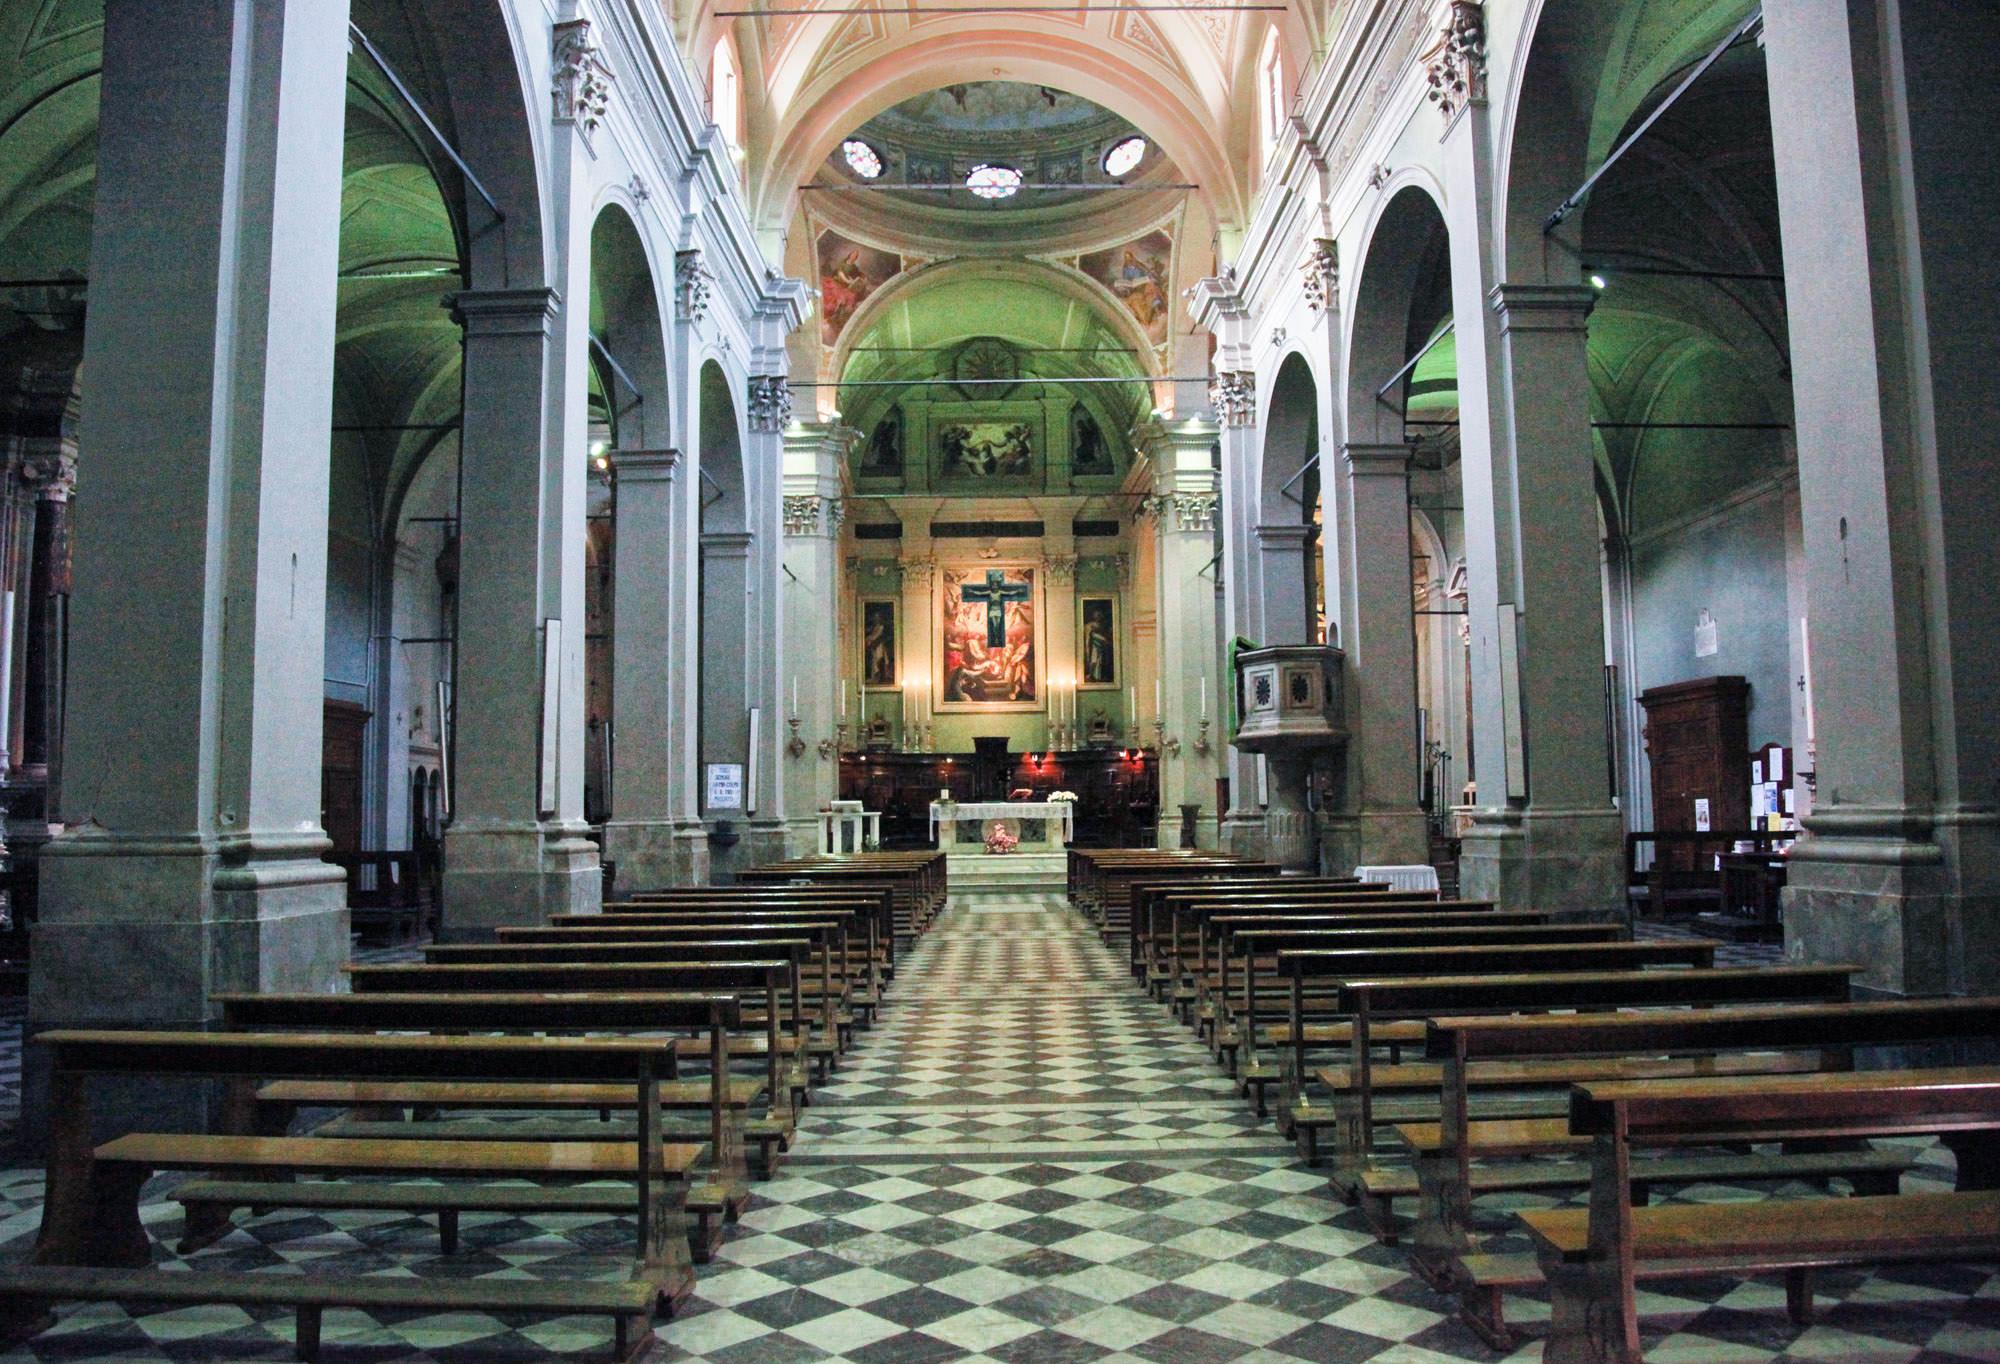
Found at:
<point>843,700</point>
<point>1204,698</point>
<point>1159,711</point>
<point>1132,705</point>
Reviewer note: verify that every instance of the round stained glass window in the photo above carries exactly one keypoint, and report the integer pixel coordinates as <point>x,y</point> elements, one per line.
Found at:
<point>993,182</point>
<point>862,159</point>
<point>1124,156</point>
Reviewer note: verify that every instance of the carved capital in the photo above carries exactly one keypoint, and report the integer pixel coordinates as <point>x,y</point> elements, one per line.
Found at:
<point>802,514</point>
<point>48,471</point>
<point>770,404</point>
<point>1456,62</point>
<point>692,286</point>
<point>1320,274</point>
<point>1122,565</point>
<point>1060,568</point>
<point>1233,395</point>
<point>917,571</point>
<point>1187,511</point>
<point>581,82</point>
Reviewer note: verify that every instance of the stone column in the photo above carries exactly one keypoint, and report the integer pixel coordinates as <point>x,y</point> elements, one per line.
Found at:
<point>1889,239</point>
<point>191,859</point>
<point>1281,564</point>
<point>651,558</point>
<point>815,457</point>
<point>1182,512</point>
<point>1545,834</point>
<point>1378,635</point>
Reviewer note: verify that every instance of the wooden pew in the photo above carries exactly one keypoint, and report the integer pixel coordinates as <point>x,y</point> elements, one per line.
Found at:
<point>819,979</point>
<point>1254,947</point>
<point>1593,1256</point>
<point>717,1195</point>
<point>1628,1045</point>
<point>93,1247</point>
<point>876,900</point>
<point>917,881</point>
<point>770,985</point>
<point>1150,923</point>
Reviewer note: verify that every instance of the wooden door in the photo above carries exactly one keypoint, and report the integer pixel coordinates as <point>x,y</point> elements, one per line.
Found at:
<point>340,773</point>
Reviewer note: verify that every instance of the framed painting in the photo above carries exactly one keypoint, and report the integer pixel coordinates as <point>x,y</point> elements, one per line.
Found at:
<point>878,644</point>
<point>1097,643</point>
<point>989,639</point>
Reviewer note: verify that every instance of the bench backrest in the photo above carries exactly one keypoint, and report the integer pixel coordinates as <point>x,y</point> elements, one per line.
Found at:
<point>1860,1103</point>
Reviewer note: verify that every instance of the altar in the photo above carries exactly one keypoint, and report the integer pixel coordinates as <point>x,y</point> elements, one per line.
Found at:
<point>1041,825</point>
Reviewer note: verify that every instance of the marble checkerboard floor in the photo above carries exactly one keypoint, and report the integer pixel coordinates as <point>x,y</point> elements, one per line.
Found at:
<point>1026,1161</point>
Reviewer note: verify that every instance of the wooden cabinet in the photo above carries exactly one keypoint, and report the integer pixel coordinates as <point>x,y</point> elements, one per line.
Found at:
<point>340,772</point>
<point>1697,737</point>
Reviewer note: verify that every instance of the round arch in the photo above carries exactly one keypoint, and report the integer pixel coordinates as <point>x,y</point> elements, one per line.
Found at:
<point>724,508</point>
<point>626,311</point>
<point>1030,50</point>
<point>1400,245</point>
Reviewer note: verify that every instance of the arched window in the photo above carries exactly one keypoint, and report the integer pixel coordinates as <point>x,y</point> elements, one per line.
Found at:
<point>725,92</point>
<point>1271,94</point>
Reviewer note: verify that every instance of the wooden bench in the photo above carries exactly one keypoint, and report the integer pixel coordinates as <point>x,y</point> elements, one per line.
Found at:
<point>1629,1045</point>
<point>1592,1256</point>
<point>91,1236</point>
<point>1147,900</point>
<point>769,988</point>
<point>874,902</point>
<point>1254,949</point>
<point>717,1194</point>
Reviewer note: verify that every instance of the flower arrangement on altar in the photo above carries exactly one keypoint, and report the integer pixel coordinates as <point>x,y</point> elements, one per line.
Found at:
<point>1065,797</point>
<point>998,840</point>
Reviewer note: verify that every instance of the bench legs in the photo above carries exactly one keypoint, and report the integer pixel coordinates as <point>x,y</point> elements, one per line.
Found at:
<point>1593,1319</point>
<point>307,1334</point>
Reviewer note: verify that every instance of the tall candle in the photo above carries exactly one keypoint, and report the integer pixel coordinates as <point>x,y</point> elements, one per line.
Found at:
<point>1159,711</point>
<point>1204,698</point>
<point>1132,705</point>
<point>843,699</point>
<point>795,693</point>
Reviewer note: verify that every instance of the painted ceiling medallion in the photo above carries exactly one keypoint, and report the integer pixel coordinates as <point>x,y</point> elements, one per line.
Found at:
<point>1125,156</point>
<point>993,182</point>
<point>861,158</point>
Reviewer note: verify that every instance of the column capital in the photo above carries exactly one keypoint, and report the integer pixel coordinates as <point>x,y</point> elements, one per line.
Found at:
<point>1188,512</point>
<point>770,402</point>
<point>1542,307</point>
<point>1060,568</point>
<point>1456,62</point>
<point>643,466</point>
<point>917,570</point>
<point>1232,393</point>
<point>809,514</point>
<point>693,283</point>
<point>504,312</point>
<point>580,82</point>
<point>1366,460</point>
<point>1320,274</point>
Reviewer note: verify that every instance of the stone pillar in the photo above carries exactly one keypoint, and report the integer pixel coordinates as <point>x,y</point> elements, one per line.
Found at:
<point>1545,834</point>
<point>815,458</point>
<point>1182,512</point>
<point>1281,564</point>
<point>190,863</point>
<point>639,836</point>
<point>723,683</point>
<point>1888,246</point>
<point>767,675</point>
<point>1378,635</point>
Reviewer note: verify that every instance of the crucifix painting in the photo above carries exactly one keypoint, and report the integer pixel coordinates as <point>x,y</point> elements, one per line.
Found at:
<point>989,638</point>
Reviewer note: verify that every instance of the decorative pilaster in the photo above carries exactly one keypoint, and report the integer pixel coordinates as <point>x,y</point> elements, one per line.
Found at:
<point>812,514</point>
<point>1456,63</point>
<point>693,285</point>
<point>1320,274</point>
<point>1233,396</point>
<point>770,402</point>
<point>581,82</point>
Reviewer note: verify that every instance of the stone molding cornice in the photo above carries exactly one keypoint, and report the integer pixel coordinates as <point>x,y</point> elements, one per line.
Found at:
<point>1365,460</point>
<point>1282,537</point>
<point>726,544</point>
<point>504,312</point>
<point>1542,307</point>
<point>643,466</point>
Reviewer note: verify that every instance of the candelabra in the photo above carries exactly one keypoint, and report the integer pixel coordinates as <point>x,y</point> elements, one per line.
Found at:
<point>929,740</point>
<point>1136,741</point>
<point>796,744</point>
<point>1201,744</point>
<point>1170,747</point>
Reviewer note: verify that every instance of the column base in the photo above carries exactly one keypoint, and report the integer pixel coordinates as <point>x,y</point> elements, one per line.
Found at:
<point>1390,838</point>
<point>652,854</point>
<point>1244,834</point>
<point>1569,862</point>
<point>1167,834</point>
<point>516,875</point>
<point>1916,903</point>
<point>141,935</point>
